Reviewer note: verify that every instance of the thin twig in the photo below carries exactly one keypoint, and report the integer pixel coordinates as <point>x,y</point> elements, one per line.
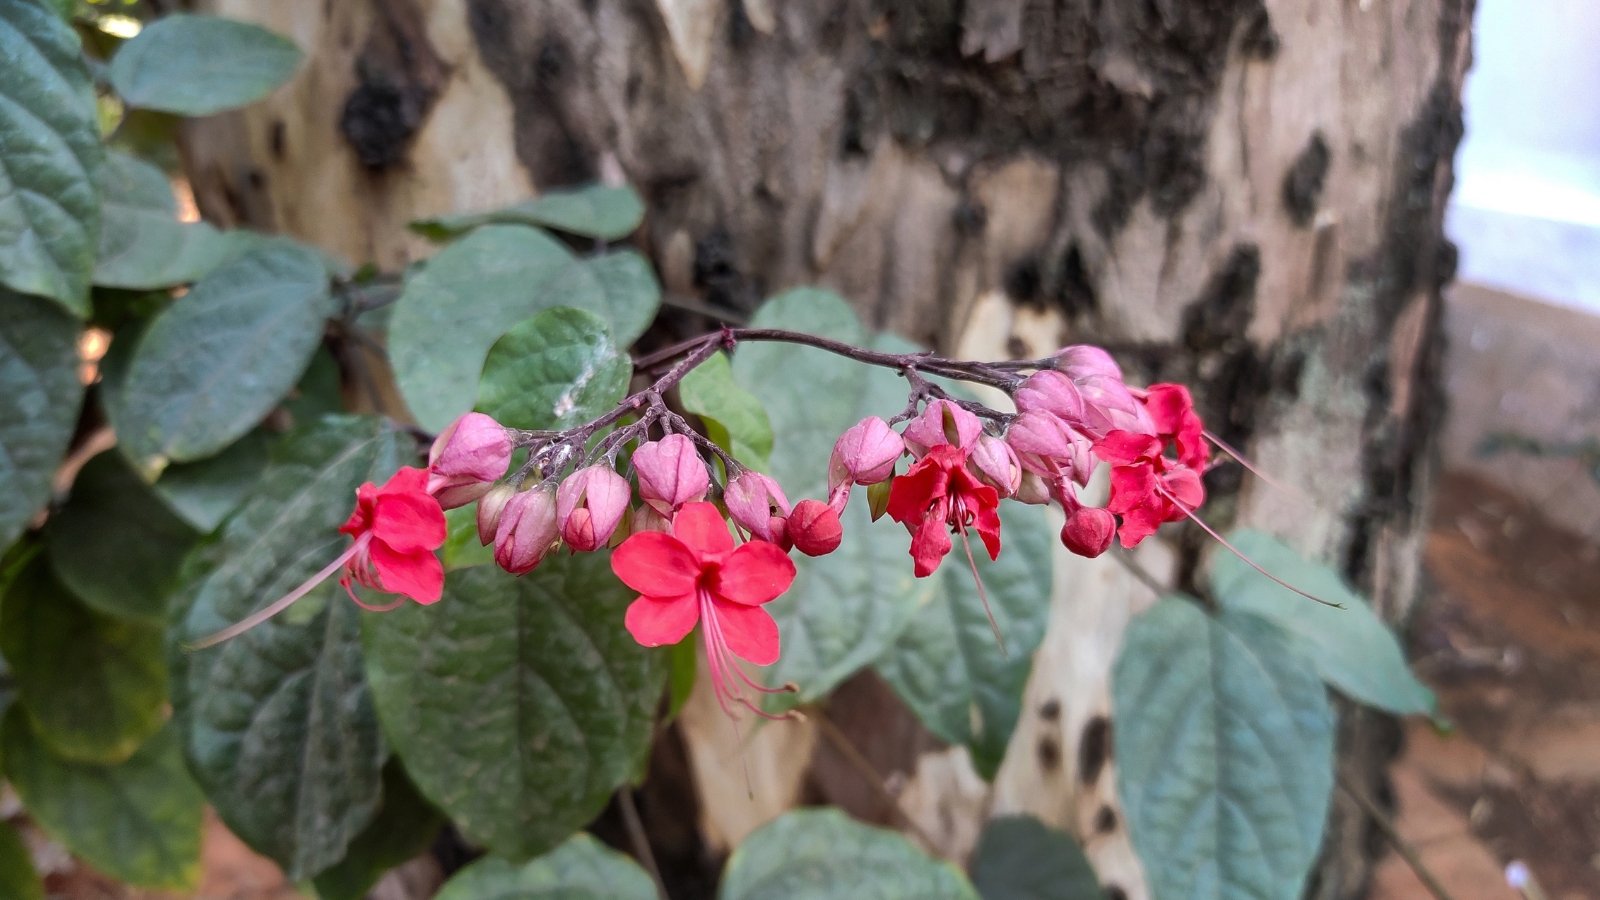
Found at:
<point>638,839</point>
<point>1401,845</point>
<point>863,767</point>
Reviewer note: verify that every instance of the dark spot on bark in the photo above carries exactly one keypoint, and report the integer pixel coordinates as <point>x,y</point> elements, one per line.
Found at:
<point>256,178</point>
<point>1049,754</point>
<point>552,61</point>
<point>1105,820</point>
<point>1022,281</point>
<point>1113,892</point>
<point>278,139</point>
<point>1302,184</point>
<point>399,76</point>
<point>716,270</point>
<point>1016,348</point>
<point>1218,317</point>
<point>1094,749</point>
<point>1050,710</point>
<point>1075,292</point>
<point>970,218</point>
<point>741,34</point>
<point>378,121</point>
<point>1258,39</point>
<point>631,89</point>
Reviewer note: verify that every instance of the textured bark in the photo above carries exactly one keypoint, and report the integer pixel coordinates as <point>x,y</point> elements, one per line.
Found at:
<point>1244,194</point>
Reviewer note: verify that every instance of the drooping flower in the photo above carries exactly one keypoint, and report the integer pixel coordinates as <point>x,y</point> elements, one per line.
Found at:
<point>1148,487</point>
<point>467,458</point>
<point>938,494</point>
<point>814,528</point>
<point>695,574</point>
<point>589,506</point>
<point>864,454</point>
<point>527,530</point>
<point>671,473</point>
<point>996,464</point>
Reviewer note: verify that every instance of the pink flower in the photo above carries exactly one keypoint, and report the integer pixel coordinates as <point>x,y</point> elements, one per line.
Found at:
<point>397,527</point>
<point>756,503</point>
<point>1048,448</point>
<point>865,454</point>
<point>938,494</point>
<point>695,574</point>
<point>814,527</point>
<point>671,473</point>
<point>467,458</point>
<point>996,464</point>
<point>527,530</point>
<point>1088,531</point>
<point>942,422</point>
<point>589,506</point>
<point>1051,393</point>
<point>1149,488</point>
<point>1080,361</point>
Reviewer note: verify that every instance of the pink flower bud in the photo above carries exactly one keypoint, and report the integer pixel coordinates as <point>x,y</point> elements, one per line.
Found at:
<point>1048,448</point>
<point>527,530</point>
<point>1088,531</point>
<point>996,464</point>
<point>942,422</point>
<point>757,504</point>
<point>1081,360</point>
<point>1110,406</point>
<point>467,458</point>
<point>1051,392</point>
<point>1034,490</point>
<point>589,505</point>
<point>865,453</point>
<point>490,508</point>
<point>814,527</point>
<point>671,473</point>
<point>647,519</point>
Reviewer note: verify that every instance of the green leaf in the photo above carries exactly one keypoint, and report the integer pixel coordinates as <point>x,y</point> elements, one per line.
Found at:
<point>1351,647</point>
<point>404,827</point>
<point>529,684</point>
<point>39,398</point>
<point>18,879</point>
<point>683,665</point>
<point>1020,858</point>
<point>49,208</point>
<point>214,363</point>
<point>142,243</point>
<point>823,854</point>
<point>733,416</point>
<point>93,686</point>
<point>624,292</point>
<point>1224,754</point>
<point>137,821</point>
<point>461,549</point>
<point>199,65</point>
<point>451,313</point>
<point>205,491</point>
<point>556,370</point>
<point>844,611</point>
<point>580,869</point>
<point>278,723</point>
<point>947,665</point>
<point>115,544</point>
<point>594,211</point>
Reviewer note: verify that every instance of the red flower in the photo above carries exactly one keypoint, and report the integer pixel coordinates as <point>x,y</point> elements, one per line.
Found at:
<point>939,493</point>
<point>695,574</point>
<point>1149,488</point>
<point>397,527</point>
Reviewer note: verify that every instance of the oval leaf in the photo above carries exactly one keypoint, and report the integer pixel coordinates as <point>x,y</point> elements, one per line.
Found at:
<point>49,207</point>
<point>1224,755</point>
<point>278,723</point>
<point>556,370</point>
<point>39,398</point>
<point>1354,650</point>
<point>216,361</point>
<point>115,544</point>
<point>205,491</point>
<point>137,821</point>
<point>404,827</point>
<point>1020,858</point>
<point>580,869</point>
<point>531,685</point>
<point>94,687</point>
<point>595,211</point>
<point>732,415</point>
<point>199,65</point>
<point>823,854</point>
<point>142,243</point>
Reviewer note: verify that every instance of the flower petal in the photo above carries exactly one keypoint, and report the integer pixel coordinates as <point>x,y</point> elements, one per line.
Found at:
<point>1131,486</point>
<point>701,527</point>
<point>910,494</point>
<point>655,621</point>
<point>656,564</point>
<point>1137,525</point>
<point>417,574</point>
<point>749,632</point>
<point>408,521</point>
<point>406,480</point>
<point>1123,448</point>
<point>989,530</point>
<point>754,573</point>
<point>929,544</point>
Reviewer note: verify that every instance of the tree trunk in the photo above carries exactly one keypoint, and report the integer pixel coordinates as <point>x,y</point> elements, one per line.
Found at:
<point>1242,194</point>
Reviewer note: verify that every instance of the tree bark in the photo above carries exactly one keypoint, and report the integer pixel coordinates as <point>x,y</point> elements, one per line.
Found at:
<point>1241,194</point>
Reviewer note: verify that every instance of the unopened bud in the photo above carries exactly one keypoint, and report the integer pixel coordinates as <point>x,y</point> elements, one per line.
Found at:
<point>490,508</point>
<point>942,422</point>
<point>1082,360</point>
<point>1088,531</point>
<point>814,527</point>
<point>756,503</point>
<point>527,530</point>
<point>645,518</point>
<point>671,473</point>
<point>1047,447</point>
<point>589,505</point>
<point>467,458</point>
<point>865,454</point>
<point>1050,392</point>
<point>995,464</point>
<point>1034,490</point>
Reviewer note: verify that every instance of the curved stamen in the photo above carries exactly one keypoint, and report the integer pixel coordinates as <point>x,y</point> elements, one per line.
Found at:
<point>284,602</point>
<point>983,595</point>
<point>1250,467</point>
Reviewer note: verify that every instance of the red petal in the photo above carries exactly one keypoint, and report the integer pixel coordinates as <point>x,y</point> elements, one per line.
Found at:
<point>418,575</point>
<point>406,480</point>
<point>1137,525</point>
<point>754,574</point>
<point>656,564</point>
<point>910,494</point>
<point>749,632</point>
<point>929,545</point>
<point>1124,448</point>
<point>655,621</point>
<point>361,517</point>
<point>1130,487</point>
<point>1183,484</point>
<point>408,521</point>
<point>701,527</point>
<point>1167,405</point>
<point>989,530</point>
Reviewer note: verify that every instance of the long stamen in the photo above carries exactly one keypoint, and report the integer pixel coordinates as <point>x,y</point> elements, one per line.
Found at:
<point>1237,552</point>
<point>282,603</point>
<point>1250,467</point>
<point>717,645</point>
<point>369,607</point>
<point>983,595</point>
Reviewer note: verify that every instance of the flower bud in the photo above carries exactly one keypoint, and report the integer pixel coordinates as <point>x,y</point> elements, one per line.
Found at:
<point>671,473</point>
<point>995,464</point>
<point>1046,447</point>
<point>1051,392</point>
<point>756,503</point>
<point>865,453</point>
<point>942,422</point>
<point>589,505</point>
<point>1082,360</point>
<point>1034,490</point>
<point>814,527</point>
<point>645,518</point>
<point>1110,406</point>
<point>467,458</point>
<point>1088,531</point>
<point>527,530</point>
<point>490,507</point>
